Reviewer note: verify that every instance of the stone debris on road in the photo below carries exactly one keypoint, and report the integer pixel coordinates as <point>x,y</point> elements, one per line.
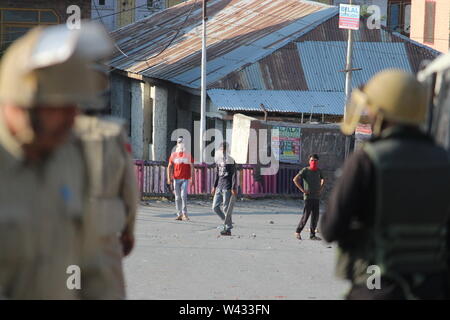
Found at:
<point>192,261</point>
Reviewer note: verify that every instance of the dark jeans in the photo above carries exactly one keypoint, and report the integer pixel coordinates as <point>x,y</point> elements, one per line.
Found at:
<point>224,199</point>
<point>311,206</point>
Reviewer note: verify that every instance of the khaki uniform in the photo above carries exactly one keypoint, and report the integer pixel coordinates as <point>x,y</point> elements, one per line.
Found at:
<point>43,228</point>
<point>113,194</point>
<point>48,237</point>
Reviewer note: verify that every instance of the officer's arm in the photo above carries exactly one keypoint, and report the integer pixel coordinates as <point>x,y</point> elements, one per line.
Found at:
<point>349,198</point>
<point>130,195</point>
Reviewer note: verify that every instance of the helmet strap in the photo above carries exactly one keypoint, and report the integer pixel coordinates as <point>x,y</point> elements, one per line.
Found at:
<point>377,126</point>
<point>27,135</point>
<point>34,121</point>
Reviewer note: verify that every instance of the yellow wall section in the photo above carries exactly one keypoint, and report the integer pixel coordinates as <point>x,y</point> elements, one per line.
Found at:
<point>125,17</point>
<point>171,3</point>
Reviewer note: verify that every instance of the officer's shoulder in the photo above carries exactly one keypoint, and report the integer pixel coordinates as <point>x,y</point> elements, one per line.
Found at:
<point>359,158</point>
<point>111,125</point>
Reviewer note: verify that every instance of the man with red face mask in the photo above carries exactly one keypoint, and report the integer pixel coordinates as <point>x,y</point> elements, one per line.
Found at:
<point>313,182</point>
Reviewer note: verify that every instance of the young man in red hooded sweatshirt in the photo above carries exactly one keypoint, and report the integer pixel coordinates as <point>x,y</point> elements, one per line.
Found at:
<point>313,183</point>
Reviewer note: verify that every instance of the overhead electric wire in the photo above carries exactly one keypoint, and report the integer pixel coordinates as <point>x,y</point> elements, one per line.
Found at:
<point>168,45</point>
<point>283,35</point>
<point>221,23</point>
<point>239,25</point>
<point>326,43</point>
<point>118,12</point>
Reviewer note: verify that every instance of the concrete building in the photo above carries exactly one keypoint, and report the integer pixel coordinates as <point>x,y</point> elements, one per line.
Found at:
<point>431,23</point>
<point>266,58</point>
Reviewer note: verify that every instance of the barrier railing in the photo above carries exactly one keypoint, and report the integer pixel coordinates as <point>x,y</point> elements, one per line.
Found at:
<point>152,179</point>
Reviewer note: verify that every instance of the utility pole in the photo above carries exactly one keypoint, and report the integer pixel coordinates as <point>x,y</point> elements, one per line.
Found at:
<point>348,82</point>
<point>203,87</point>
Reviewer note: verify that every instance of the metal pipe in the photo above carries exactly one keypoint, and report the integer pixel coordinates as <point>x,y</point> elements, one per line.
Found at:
<point>203,86</point>
<point>348,82</point>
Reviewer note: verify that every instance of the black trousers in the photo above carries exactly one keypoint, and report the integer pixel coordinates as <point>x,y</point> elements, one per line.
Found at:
<point>311,209</point>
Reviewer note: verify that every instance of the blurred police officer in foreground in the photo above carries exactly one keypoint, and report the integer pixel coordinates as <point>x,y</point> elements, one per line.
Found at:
<point>113,195</point>
<point>45,233</point>
<point>390,207</point>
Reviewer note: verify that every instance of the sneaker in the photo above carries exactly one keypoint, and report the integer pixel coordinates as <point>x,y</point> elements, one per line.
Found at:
<point>225,233</point>
<point>297,235</point>
<point>315,238</point>
<point>179,218</point>
<point>184,217</point>
<point>221,227</point>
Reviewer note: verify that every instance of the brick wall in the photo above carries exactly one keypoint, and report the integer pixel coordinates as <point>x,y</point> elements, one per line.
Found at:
<point>441,31</point>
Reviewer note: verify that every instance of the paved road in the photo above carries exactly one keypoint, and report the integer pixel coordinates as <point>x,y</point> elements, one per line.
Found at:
<point>261,260</point>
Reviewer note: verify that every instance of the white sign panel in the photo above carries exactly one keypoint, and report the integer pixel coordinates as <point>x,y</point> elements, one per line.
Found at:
<point>349,16</point>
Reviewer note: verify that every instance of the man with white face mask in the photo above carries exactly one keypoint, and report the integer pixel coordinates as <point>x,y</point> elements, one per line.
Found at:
<point>180,170</point>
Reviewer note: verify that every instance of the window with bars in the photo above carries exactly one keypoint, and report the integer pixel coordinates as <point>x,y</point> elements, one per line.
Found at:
<point>15,22</point>
<point>399,16</point>
<point>430,20</point>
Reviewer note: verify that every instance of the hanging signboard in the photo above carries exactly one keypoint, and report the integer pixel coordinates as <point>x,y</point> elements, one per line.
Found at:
<point>349,16</point>
<point>286,147</point>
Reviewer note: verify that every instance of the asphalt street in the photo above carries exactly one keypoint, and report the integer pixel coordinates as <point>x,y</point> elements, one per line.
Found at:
<point>188,260</point>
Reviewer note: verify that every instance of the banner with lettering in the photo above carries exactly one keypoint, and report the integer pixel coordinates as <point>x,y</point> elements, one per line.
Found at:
<point>286,147</point>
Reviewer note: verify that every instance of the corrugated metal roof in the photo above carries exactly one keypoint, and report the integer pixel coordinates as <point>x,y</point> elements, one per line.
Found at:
<point>240,32</point>
<point>289,68</point>
<point>279,101</point>
<point>260,44</point>
<point>323,62</point>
